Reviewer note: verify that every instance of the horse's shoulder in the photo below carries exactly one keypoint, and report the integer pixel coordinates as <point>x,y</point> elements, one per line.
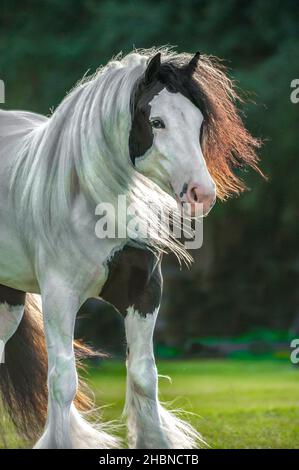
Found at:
<point>134,278</point>
<point>17,120</point>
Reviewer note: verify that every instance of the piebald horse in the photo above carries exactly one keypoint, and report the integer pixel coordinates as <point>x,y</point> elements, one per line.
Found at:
<point>155,126</point>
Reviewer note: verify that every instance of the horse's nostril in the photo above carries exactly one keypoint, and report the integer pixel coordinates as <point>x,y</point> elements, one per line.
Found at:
<point>194,195</point>
<point>198,194</point>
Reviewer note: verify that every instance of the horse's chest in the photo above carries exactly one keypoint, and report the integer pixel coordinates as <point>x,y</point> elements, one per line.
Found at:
<point>133,280</point>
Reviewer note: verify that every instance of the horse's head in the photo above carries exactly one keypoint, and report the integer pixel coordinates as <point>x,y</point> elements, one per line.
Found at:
<point>167,120</point>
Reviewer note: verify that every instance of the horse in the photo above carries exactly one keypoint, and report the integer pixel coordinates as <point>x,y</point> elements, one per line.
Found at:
<point>154,125</point>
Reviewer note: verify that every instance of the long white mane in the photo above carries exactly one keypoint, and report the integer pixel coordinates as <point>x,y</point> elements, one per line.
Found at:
<point>83,147</point>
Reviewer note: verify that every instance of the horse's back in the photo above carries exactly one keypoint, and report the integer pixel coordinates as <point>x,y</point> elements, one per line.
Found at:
<point>16,123</point>
<point>14,127</point>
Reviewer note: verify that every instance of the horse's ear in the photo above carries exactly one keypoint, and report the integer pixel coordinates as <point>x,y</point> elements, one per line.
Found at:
<point>152,68</point>
<point>193,62</point>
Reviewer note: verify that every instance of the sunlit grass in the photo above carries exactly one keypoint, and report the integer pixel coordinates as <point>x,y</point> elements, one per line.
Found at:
<point>236,404</point>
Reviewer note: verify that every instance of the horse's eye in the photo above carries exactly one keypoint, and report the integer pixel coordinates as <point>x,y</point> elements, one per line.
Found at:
<point>157,123</point>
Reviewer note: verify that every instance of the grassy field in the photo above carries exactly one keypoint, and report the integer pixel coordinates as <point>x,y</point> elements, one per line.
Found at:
<point>237,404</point>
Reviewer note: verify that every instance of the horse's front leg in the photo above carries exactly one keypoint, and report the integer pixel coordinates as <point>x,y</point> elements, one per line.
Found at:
<point>150,425</point>
<point>134,287</point>
<point>145,427</point>
<point>60,306</point>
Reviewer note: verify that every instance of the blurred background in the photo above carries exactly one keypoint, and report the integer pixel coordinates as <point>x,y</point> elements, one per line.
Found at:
<point>241,298</point>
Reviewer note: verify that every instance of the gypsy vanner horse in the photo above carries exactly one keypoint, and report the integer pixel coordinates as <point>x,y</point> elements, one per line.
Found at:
<point>153,125</point>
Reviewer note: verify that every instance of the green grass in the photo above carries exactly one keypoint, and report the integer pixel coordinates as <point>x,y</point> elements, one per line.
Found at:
<point>237,404</point>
